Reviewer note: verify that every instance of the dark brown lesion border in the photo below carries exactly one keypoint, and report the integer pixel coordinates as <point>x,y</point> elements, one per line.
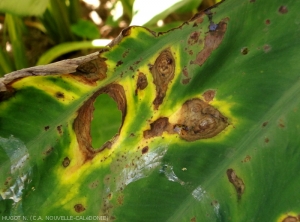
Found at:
<point>82,123</point>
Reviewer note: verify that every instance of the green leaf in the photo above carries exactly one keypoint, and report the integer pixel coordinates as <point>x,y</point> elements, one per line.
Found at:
<point>16,29</point>
<point>5,62</point>
<point>56,20</point>
<point>149,12</point>
<point>85,29</point>
<point>67,47</point>
<point>24,8</point>
<point>209,128</point>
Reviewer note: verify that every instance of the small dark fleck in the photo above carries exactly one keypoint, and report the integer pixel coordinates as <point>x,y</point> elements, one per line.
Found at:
<point>193,219</point>
<point>185,81</point>
<point>79,208</point>
<point>132,135</point>
<point>49,150</point>
<point>281,125</point>
<point>268,22</point>
<point>267,140</point>
<point>59,95</point>
<point>120,199</point>
<point>247,159</point>
<point>283,10</point>
<point>7,181</point>
<point>142,82</point>
<point>47,127</point>
<point>214,203</point>
<point>194,37</point>
<point>145,149</point>
<point>137,62</point>
<point>185,72</point>
<point>66,162</point>
<point>251,1</point>
<point>244,51</point>
<point>125,53</point>
<point>265,124</point>
<point>119,63</point>
<point>59,129</point>
<point>267,48</point>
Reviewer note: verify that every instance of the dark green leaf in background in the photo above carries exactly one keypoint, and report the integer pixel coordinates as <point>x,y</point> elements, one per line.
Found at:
<point>23,7</point>
<point>85,29</point>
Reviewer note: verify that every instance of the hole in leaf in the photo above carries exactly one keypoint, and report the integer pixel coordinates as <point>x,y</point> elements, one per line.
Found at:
<point>107,119</point>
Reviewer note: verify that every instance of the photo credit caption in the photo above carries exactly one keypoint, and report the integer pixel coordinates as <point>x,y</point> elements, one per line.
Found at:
<point>54,218</point>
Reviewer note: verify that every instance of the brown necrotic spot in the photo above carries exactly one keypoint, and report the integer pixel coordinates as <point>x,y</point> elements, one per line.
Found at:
<point>66,162</point>
<point>59,95</point>
<point>244,51</point>
<point>281,123</point>
<point>91,71</point>
<point>283,9</point>
<point>195,120</point>
<point>265,124</point>
<point>145,149</point>
<point>185,81</point>
<point>59,130</point>
<point>267,140</point>
<point>49,151</point>
<point>268,21</point>
<point>236,182</point>
<point>185,72</point>
<point>7,181</point>
<point>82,123</point>
<point>247,159</point>
<point>193,38</point>
<point>125,53</point>
<point>209,95</point>
<point>142,82</point>
<point>193,219</point>
<point>120,199</point>
<point>212,40</point>
<point>119,63</point>
<point>157,128</point>
<point>267,48</point>
<point>163,72</point>
<point>199,120</point>
<point>46,128</point>
<point>79,208</point>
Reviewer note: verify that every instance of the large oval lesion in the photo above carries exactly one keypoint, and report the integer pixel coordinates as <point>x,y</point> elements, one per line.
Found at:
<point>198,120</point>
<point>163,72</point>
<point>82,123</point>
<point>195,120</point>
